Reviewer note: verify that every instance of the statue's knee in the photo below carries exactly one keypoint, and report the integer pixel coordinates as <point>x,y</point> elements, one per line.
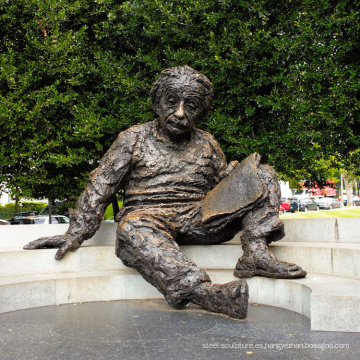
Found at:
<point>267,173</point>
<point>128,227</point>
<point>122,229</point>
<point>269,179</point>
<point>124,247</point>
<point>135,237</point>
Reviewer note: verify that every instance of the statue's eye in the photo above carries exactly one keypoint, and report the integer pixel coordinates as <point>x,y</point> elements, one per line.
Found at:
<point>171,101</point>
<point>191,106</point>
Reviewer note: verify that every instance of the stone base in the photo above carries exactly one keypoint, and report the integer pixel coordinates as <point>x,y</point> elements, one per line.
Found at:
<point>329,296</point>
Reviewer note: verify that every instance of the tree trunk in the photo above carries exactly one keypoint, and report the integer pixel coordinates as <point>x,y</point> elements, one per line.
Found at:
<point>50,211</point>
<point>16,203</point>
<point>115,206</point>
<point>349,184</point>
<point>342,190</point>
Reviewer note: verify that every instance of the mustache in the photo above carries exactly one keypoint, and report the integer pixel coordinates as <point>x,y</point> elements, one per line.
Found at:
<point>184,122</point>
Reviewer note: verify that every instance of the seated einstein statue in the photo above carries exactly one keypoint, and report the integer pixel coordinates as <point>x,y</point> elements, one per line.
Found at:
<point>178,189</point>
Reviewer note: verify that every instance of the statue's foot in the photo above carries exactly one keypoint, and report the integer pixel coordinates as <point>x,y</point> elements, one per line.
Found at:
<point>178,303</point>
<point>230,299</point>
<point>267,265</point>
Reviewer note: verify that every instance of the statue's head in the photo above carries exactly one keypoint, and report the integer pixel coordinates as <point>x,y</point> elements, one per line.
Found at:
<point>181,97</point>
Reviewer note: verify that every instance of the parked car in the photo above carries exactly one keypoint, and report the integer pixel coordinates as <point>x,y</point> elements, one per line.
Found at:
<point>56,209</point>
<point>294,206</point>
<point>308,204</point>
<point>285,203</point>
<point>56,219</point>
<point>356,201</point>
<point>305,204</point>
<point>22,218</point>
<point>282,211</point>
<point>344,199</point>
<point>328,203</point>
<point>4,222</point>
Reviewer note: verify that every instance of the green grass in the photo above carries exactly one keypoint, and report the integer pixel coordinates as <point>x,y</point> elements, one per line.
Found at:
<point>346,212</point>
<point>109,210</point>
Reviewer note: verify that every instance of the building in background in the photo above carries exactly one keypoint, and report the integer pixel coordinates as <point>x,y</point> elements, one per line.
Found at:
<point>4,198</point>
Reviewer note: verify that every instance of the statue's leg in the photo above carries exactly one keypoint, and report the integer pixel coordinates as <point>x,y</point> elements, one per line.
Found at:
<point>146,243</point>
<point>261,226</point>
<point>248,199</point>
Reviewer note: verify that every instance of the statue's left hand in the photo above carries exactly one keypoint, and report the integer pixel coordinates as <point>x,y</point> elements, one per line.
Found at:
<point>229,169</point>
<point>64,242</point>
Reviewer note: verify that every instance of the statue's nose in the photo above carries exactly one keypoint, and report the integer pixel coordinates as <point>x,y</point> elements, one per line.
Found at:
<point>180,111</point>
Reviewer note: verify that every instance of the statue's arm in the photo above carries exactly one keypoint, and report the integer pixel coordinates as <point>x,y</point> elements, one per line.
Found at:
<point>221,167</point>
<point>104,182</point>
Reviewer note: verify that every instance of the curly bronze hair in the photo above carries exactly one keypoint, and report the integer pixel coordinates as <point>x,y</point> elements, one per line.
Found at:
<point>187,75</point>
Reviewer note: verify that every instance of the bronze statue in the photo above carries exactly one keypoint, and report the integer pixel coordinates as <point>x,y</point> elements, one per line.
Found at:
<point>178,189</point>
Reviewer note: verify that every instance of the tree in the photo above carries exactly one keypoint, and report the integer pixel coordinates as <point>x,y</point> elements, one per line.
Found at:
<point>75,73</point>
<point>54,125</point>
<point>349,181</point>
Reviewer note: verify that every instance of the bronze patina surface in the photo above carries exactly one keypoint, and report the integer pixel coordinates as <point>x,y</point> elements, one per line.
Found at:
<point>179,189</point>
<point>231,194</point>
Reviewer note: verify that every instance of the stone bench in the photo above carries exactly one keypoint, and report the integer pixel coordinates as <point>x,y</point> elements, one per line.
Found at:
<point>329,296</point>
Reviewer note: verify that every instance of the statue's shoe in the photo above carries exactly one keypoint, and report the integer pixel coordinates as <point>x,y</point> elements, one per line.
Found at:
<point>267,265</point>
<point>230,299</point>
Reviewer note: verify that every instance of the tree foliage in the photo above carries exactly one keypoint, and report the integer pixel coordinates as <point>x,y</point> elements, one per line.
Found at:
<point>75,73</point>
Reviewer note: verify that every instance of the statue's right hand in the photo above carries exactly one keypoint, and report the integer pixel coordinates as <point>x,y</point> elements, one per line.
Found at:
<point>64,242</point>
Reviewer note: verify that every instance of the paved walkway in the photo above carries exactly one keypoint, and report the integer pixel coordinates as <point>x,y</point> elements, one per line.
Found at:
<point>151,330</point>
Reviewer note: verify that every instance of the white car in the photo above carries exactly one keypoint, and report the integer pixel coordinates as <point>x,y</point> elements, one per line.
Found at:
<point>4,222</point>
<point>356,201</point>
<point>55,219</point>
<point>329,203</point>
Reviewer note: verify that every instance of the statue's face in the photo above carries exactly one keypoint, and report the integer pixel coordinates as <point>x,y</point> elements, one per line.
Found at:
<point>180,108</point>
